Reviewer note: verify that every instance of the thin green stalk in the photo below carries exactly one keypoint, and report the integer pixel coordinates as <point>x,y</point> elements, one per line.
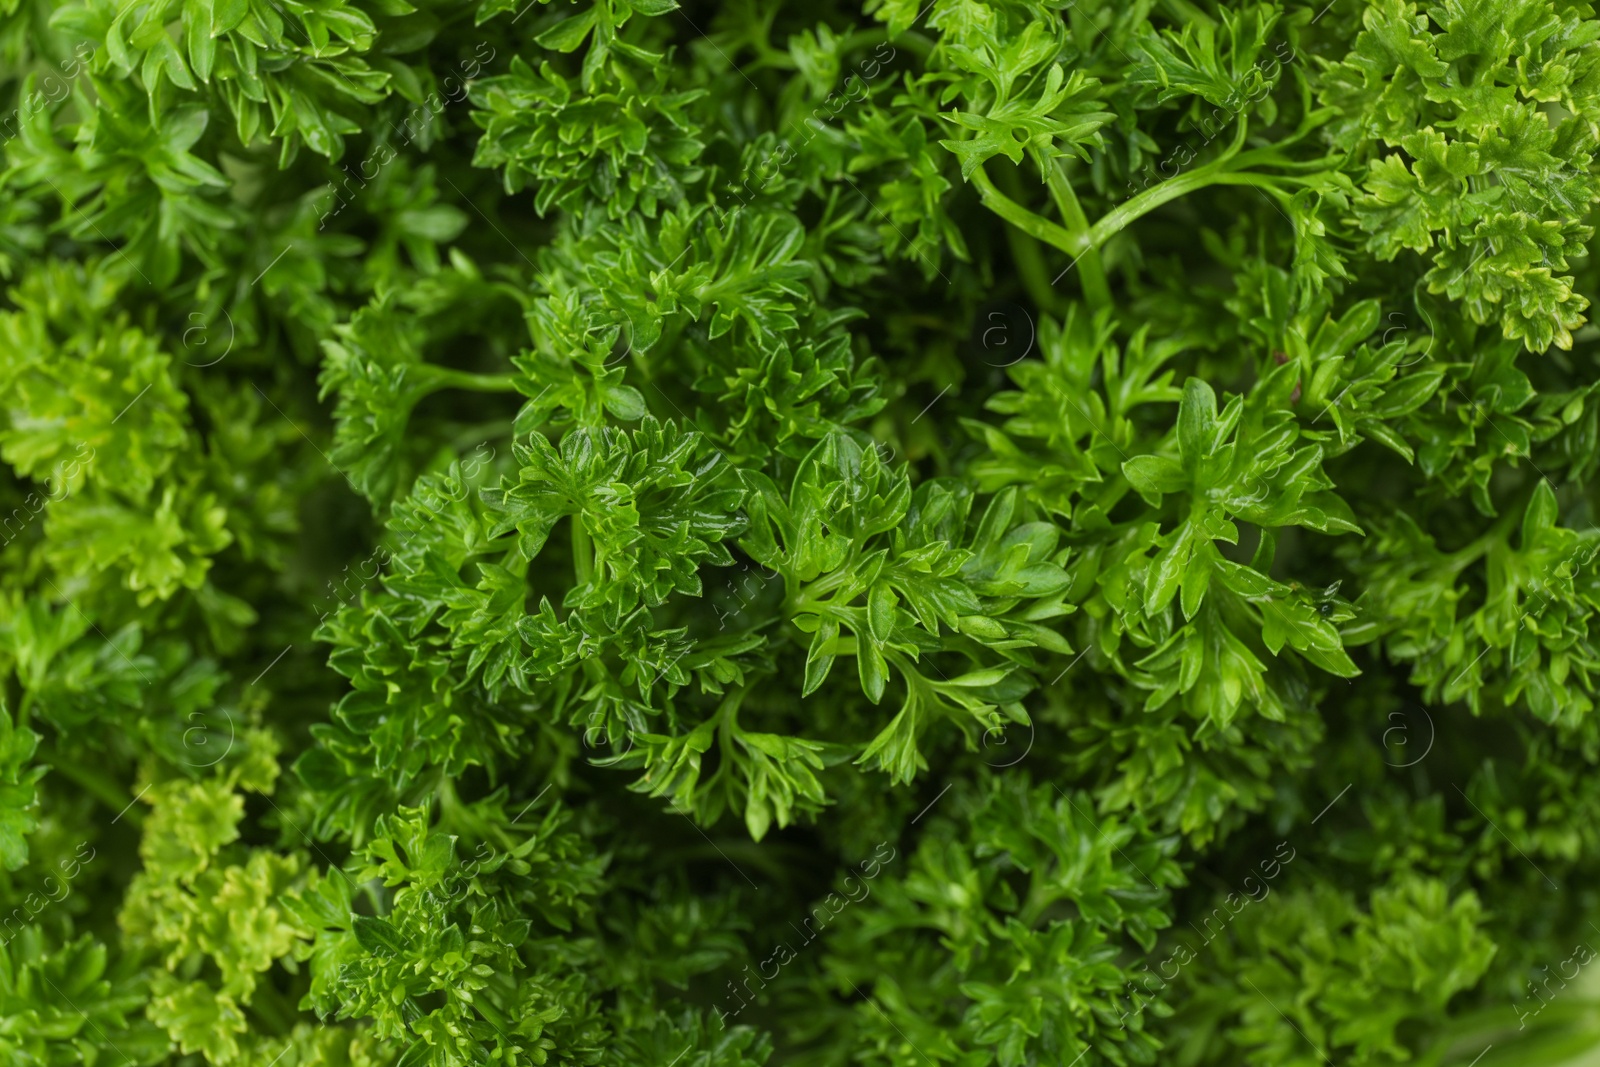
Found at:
<point>1496,536</point>
<point>862,38</point>
<point>460,816</point>
<point>1091,272</point>
<point>481,432</point>
<point>1119,217</point>
<point>1570,1024</point>
<point>478,383</point>
<point>1029,260</point>
<point>813,595</point>
<point>1220,171</point>
<point>582,551</point>
<point>917,42</point>
<point>1185,14</point>
<point>102,788</point>
<point>1033,225</point>
<point>269,1005</point>
<point>1083,243</point>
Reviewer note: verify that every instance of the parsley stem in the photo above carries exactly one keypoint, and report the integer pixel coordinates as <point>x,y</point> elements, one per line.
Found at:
<point>1119,217</point>
<point>102,788</point>
<point>1083,244</point>
<point>269,1005</point>
<point>479,433</point>
<point>449,377</point>
<point>453,812</point>
<point>582,552</point>
<point>1035,226</point>
<point>1091,272</point>
<point>1185,13</point>
<point>1029,259</point>
<point>1495,536</point>
<point>811,597</point>
<point>1224,170</point>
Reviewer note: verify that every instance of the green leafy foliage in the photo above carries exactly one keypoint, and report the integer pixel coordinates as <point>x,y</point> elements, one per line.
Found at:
<point>954,533</point>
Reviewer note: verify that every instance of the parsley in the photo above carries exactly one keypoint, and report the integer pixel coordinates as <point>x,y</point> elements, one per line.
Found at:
<point>636,532</point>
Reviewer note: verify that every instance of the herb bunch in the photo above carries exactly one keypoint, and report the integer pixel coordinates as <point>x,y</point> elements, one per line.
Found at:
<point>643,532</point>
